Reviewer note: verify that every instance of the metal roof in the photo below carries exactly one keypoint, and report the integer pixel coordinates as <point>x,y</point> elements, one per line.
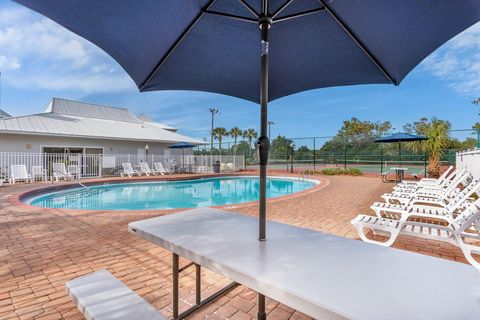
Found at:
<point>77,119</point>
<point>145,118</point>
<point>3,114</point>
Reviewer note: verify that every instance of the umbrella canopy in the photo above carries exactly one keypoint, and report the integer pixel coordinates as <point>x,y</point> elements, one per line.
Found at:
<point>182,145</point>
<point>232,47</point>
<point>401,137</point>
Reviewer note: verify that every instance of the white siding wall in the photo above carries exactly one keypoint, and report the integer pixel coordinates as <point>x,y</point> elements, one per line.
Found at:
<point>34,144</point>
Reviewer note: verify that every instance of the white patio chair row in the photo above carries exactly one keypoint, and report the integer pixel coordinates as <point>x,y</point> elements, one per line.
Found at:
<point>144,169</point>
<point>19,172</point>
<point>446,207</point>
<point>409,195</point>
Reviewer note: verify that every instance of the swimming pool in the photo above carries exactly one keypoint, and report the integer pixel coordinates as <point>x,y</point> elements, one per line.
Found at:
<point>169,194</point>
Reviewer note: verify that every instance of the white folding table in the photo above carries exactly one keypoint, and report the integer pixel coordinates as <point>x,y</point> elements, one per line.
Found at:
<point>322,275</point>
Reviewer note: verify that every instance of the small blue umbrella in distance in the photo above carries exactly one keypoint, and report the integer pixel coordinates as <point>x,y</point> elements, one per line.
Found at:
<point>400,137</point>
<point>182,145</point>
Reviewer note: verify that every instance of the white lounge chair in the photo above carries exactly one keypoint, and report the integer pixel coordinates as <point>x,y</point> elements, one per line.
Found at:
<point>405,197</point>
<point>19,172</point>
<point>128,170</point>
<point>74,171</point>
<point>160,168</point>
<point>59,171</point>
<point>145,168</point>
<point>101,296</point>
<point>449,207</point>
<point>442,182</point>
<point>448,200</point>
<point>463,226</point>
<point>429,181</point>
<point>38,172</point>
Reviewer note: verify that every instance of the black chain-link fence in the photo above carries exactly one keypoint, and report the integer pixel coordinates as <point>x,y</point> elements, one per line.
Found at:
<point>317,153</point>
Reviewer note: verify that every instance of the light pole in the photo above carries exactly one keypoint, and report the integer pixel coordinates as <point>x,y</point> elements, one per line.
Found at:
<point>213,111</point>
<point>477,102</point>
<point>270,123</point>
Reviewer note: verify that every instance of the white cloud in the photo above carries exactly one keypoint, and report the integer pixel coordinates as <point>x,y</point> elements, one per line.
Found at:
<point>458,62</point>
<point>37,53</point>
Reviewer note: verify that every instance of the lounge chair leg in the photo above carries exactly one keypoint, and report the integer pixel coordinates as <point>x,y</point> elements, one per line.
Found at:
<point>261,315</point>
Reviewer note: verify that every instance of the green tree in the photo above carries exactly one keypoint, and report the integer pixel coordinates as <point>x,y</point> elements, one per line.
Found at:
<point>219,133</point>
<point>279,146</point>
<point>250,134</point>
<point>358,136</point>
<point>235,132</point>
<point>303,153</point>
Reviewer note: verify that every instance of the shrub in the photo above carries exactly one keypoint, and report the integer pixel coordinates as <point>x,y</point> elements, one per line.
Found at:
<point>341,171</point>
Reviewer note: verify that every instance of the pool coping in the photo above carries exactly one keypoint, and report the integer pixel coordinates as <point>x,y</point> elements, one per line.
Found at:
<point>16,199</point>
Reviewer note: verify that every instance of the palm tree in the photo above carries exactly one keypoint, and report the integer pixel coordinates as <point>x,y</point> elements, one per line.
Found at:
<point>250,134</point>
<point>437,133</point>
<point>235,132</point>
<point>218,134</point>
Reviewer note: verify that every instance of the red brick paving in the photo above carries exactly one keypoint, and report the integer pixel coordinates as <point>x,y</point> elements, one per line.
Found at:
<point>41,249</point>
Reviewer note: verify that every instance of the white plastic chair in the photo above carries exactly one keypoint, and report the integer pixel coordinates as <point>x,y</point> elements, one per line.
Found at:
<point>128,170</point>
<point>464,226</point>
<point>74,171</point>
<point>60,171</point>
<point>448,207</point>
<point>19,172</point>
<point>38,172</point>
<point>406,197</point>
<point>160,169</point>
<point>145,168</point>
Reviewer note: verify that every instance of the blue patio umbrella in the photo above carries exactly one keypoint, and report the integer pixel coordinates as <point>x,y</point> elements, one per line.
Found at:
<point>400,137</point>
<point>182,145</point>
<point>262,50</point>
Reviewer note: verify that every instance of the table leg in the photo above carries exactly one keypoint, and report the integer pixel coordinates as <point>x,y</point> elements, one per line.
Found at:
<point>199,303</point>
<point>198,284</point>
<point>261,315</point>
<point>175,273</point>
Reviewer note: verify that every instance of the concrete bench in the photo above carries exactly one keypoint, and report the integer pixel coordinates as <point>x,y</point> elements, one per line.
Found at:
<point>101,296</point>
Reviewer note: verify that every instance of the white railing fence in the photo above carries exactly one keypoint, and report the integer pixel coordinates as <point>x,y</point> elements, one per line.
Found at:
<point>98,165</point>
<point>470,161</point>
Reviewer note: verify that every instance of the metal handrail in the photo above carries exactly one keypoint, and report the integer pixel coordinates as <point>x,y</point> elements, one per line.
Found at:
<point>72,177</point>
<point>304,172</point>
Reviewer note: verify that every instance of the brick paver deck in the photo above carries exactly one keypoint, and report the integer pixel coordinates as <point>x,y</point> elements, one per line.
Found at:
<point>40,249</point>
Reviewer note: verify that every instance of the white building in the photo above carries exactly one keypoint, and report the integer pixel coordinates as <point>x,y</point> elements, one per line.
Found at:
<point>77,127</point>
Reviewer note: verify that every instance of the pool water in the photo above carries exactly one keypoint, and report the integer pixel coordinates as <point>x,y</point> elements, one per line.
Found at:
<point>169,194</point>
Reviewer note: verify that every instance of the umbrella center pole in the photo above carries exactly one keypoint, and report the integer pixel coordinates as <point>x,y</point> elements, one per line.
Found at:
<point>263,144</point>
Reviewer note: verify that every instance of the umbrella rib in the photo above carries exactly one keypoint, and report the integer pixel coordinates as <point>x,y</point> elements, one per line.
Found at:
<point>232,16</point>
<point>357,41</point>
<point>281,8</point>
<point>298,15</point>
<point>249,7</point>
<point>175,45</point>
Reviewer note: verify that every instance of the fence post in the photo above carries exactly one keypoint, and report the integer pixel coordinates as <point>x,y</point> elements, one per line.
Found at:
<point>425,164</point>
<point>381,161</point>
<point>314,155</point>
<point>345,153</point>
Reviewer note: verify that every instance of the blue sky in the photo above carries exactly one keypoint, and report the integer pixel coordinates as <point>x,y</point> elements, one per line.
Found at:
<point>39,60</point>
